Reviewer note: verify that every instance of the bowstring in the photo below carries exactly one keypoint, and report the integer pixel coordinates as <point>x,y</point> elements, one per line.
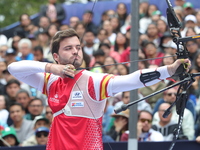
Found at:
<point>133,61</point>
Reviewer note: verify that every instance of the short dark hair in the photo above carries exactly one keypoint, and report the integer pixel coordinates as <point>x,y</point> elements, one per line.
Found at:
<point>38,48</point>
<point>60,36</point>
<point>12,81</point>
<point>35,99</point>
<point>17,104</point>
<point>104,44</point>
<point>146,112</point>
<point>22,91</point>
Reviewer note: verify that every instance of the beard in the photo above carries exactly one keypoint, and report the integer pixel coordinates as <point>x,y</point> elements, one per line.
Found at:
<point>75,62</point>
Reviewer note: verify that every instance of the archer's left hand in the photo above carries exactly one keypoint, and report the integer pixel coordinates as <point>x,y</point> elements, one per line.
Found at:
<point>173,67</point>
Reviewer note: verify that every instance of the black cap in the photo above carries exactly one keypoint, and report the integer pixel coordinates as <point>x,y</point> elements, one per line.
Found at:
<point>10,51</point>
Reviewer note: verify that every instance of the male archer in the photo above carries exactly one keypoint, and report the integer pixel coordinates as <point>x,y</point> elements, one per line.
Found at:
<point>77,97</point>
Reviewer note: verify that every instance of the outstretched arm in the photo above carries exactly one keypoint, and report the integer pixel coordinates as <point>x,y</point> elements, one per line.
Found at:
<point>132,81</point>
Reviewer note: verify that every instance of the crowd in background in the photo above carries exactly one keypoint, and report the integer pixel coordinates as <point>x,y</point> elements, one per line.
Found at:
<point>25,117</point>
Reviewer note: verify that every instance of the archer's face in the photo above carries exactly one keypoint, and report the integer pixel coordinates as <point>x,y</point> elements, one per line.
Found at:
<point>69,52</point>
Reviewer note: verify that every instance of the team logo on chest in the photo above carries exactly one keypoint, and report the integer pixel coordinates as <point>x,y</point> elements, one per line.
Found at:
<point>77,95</point>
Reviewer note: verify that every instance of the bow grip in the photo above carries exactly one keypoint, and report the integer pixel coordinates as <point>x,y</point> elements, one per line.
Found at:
<point>180,70</point>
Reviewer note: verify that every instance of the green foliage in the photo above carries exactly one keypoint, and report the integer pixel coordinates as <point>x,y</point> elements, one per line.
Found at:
<point>12,9</point>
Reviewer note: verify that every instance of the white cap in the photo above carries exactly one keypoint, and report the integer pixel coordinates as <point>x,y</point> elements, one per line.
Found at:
<point>191,18</point>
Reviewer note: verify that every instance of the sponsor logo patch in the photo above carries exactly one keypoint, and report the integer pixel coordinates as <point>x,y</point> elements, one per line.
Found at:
<point>77,104</point>
<point>77,95</point>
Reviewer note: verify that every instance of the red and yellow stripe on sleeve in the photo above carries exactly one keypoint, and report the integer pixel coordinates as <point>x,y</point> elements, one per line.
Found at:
<point>46,79</point>
<point>103,86</point>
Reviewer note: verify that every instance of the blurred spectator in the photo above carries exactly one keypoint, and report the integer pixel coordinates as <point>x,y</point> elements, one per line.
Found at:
<point>109,64</point>
<point>63,27</point>
<point>33,39</point>
<point>193,49</point>
<point>156,15</point>
<point>43,41</point>
<point>109,52</point>
<point>190,22</point>
<point>188,118</point>
<point>3,67</point>
<point>25,49</point>
<point>121,12</point>
<point>38,54</point>
<point>3,49</point>
<point>35,108</point>
<point>15,42</point>
<point>170,47</point>
<point>23,98</point>
<point>12,87</point>
<point>101,35</point>
<point>198,18</point>
<point>73,21</point>
<point>115,23</point>
<point>41,135</point>
<point>121,43</point>
<point>152,33</point>
<point>144,130</point>
<point>49,114</point>
<point>99,56</point>
<point>7,76</point>
<point>150,50</point>
<point>111,35</point>
<point>89,45</point>
<point>170,96</point>
<point>54,11</point>
<point>43,23</point>
<point>125,100</point>
<point>123,69</point>
<point>179,2</point>
<point>190,32</point>
<point>188,9</point>
<point>143,8</point>
<point>53,28</point>
<point>168,60</point>
<point>87,18</point>
<point>162,27</point>
<point>167,126</point>
<point>3,108</point>
<point>39,121</point>
<point>120,125</point>
<point>10,56</point>
<point>3,39</point>
<point>104,16</point>
<point>9,137</point>
<point>145,21</point>
<point>164,40</point>
<point>23,127</point>
<point>80,29</point>
<point>23,30</point>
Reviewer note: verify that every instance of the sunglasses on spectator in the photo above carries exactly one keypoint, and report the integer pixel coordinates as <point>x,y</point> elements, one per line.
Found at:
<point>39,134</point>
<point>144,120</point>
<point>170,94</point>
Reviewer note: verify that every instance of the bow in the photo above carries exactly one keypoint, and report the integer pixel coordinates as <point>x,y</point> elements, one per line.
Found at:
<point>186,79</point>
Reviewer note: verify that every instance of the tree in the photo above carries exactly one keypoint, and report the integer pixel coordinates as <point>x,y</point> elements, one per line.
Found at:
<point>12,9</point>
